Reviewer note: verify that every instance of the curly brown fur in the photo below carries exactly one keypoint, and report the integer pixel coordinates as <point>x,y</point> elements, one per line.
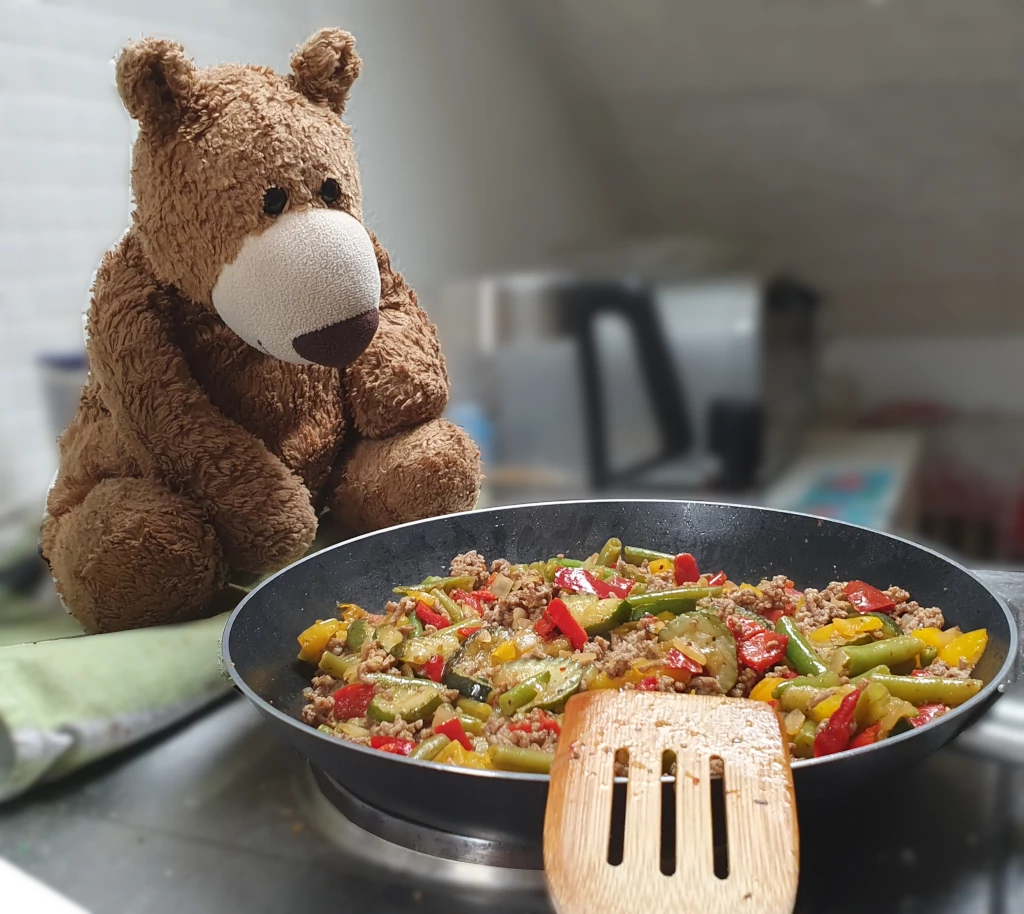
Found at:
<point>194,454</point>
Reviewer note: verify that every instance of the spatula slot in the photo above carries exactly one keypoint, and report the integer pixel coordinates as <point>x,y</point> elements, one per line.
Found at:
<point>668,815</point>
<point>617,831</point>
<point>719,833</point>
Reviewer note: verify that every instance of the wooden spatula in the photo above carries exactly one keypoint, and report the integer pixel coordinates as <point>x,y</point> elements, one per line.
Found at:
<point>760,810</point>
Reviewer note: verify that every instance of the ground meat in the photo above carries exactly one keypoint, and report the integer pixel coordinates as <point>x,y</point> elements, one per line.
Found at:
<point>920,617</point>
<point>397,729</point>
<point>897,594</point>
<point>625,648</point>
<point>526,602</point>
<point>782,671</point>
<point>501,566</point>
<point>374,660</point>
<point>404,607</point>
<point>497,732</point>
<point>718,606</point>
<point>473,564</point>
<point>747,680</point>
<point>704,685</point>
<point>821,607</point>
<point>320,695</point>
<point>945,671</point>
<point>336,644</point>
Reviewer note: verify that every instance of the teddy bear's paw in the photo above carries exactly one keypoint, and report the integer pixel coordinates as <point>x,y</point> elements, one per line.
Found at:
<point>134,554</point>
<point>428,471</point>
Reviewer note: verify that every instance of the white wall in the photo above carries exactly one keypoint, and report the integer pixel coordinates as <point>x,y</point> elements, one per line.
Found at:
<point>467,161</point>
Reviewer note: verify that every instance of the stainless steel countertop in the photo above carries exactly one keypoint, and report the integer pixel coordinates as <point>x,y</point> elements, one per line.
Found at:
<point>212,817</point>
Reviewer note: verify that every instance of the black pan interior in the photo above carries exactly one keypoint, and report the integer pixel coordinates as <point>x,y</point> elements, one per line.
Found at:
<point>749,543</point>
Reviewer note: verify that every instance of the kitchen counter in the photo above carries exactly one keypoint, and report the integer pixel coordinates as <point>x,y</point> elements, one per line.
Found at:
<point>218,816</point>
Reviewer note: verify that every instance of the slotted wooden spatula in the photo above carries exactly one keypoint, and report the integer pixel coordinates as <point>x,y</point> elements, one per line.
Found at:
<point>760,809</point>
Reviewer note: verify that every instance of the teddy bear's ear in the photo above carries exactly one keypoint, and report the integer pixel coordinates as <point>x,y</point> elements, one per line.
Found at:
<point>155,80</point>
<point>325,66</point>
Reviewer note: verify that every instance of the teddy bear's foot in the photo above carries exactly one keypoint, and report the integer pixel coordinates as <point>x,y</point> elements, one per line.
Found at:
<point>427,471</point>
<point>134,554</point>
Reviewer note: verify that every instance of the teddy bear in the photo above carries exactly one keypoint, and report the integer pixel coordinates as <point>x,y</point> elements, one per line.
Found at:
<point>255,360</point>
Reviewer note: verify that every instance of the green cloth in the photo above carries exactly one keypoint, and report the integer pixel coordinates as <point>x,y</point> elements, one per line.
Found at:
<point>67,702</point>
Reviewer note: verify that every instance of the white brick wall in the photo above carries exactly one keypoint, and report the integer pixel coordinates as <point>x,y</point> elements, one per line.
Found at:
<point>467,162</point>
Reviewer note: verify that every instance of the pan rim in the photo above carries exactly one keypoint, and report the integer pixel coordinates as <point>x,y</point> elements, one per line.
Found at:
<point>998,683</point>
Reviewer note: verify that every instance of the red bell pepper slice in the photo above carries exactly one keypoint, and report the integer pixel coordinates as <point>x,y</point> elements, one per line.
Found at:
<point>868,599</point>
<point>743,628</point>
<point>675,659</point>
<point>567,624</point>
<point>544,626</point>
<point>648,684</point>
<point>835,735</point>
<point>544,723</point>
<point>466,630</point>
<point>352,700</point>
<point>787,674</point>
<point>579,580</point>
<point>429,617</point>
<point>762,650</point>
<point>867,737</point>
<point>686,568</point>
<point>717,580</point>
<point>926,714</point>
<point>434,667</point>
<point>393,744</point>
<point>453,729</point>
<point>476,600</point>
<point>773,615</point>
<point>793,593</point>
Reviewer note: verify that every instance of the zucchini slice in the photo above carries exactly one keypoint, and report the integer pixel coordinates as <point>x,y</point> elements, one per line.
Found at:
<point>598,617</point>
<point>408,699</point>
<point>709,635</point>
<point>563,682</point>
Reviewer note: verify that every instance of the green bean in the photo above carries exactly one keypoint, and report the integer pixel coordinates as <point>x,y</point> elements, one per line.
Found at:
<point>889,625</point>
<point>881,668</point>
<point>928,656</point>
<point>513,758</point>
<point>799,698</point>
<point>458,582</point>
<point>679,600</point>
<point>926,690</point>
<point>873,704</point>
<point>453,609</point>
<point>799,651</point>
<point>336,666</point>
<point>478,709</point>
<point>610,552</point>
<point>803,741</point>
<point>567,563</point>
<point>415,625</point>
<point>431,747</point>
<point>636,556</point>
<point>826,680</point>
<point>522,694</point>
<point>470,723</point>
<point>853,659</point>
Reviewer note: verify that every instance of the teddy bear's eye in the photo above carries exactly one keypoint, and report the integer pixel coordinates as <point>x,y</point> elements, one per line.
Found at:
<point>274,201</point>
<point>330,192</point>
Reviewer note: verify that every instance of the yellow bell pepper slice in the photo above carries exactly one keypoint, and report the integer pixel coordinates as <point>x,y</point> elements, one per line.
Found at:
<point>504,652</point>
<point>313,641</point>
<point>830,705</point>
<point>753,588</point>
<point>968,647</point>
<point>660,565</point>
<point>350,612</point>
<point>824,634</point>
<point>936,637</point>
<point>763,690</point>
<point>455,754</point>
<point>604,681</point>
<point>476,760</point>
<point>851,628</point>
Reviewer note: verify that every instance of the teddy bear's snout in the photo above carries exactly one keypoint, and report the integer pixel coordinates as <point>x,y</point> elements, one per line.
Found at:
<point>305,290</point>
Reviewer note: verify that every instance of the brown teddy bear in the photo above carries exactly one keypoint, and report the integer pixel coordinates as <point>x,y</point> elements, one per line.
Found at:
<point>254,357</point>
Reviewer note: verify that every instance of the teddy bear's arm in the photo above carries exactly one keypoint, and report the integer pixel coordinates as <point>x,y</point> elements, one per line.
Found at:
<point>260,509</point>
<point>400,380</point>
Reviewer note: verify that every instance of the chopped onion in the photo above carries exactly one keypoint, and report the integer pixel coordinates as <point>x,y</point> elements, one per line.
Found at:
<point>794,721</point>
<point>501,586</point>
<point>443,713</point>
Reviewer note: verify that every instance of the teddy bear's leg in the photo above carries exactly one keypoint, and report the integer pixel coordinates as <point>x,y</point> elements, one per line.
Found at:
<point>134,554</point>
<point>426,471</point>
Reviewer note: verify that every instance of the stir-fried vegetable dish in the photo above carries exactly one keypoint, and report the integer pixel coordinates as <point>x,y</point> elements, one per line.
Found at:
<point>474,669</point>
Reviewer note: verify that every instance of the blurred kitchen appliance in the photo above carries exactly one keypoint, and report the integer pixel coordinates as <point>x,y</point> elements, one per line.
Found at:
<point>674,385</point>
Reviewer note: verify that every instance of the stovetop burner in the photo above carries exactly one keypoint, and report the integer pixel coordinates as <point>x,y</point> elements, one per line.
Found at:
<point>416,850</point>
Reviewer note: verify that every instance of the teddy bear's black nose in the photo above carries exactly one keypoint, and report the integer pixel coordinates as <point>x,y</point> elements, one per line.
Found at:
<point>338,344</point>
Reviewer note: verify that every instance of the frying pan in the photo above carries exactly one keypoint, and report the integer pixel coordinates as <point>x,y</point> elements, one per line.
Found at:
<point>259,644</point>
